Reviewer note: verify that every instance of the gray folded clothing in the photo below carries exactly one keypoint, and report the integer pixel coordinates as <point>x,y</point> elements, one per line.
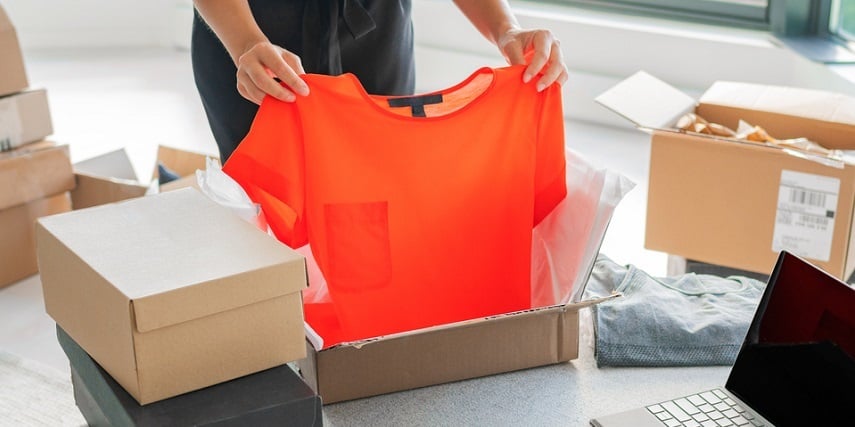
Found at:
<point>688,320</point>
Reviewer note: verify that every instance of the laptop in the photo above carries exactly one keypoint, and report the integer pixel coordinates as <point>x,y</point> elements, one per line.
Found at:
<point>796,366</point>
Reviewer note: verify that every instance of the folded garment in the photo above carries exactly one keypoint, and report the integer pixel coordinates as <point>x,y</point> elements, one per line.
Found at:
<point>688,320</point>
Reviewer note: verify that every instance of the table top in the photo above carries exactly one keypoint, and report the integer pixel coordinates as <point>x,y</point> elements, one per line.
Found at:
<point>565,394</point>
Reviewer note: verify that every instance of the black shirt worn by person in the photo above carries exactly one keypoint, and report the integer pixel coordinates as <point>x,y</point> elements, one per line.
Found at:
<point>372,39</point>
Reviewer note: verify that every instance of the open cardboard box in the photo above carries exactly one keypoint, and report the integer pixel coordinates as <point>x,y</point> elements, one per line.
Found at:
<point>543,335</point>
<point>38,177</point>
<point>738,204</point>
<point>172,292</point>
<point>110,177</point>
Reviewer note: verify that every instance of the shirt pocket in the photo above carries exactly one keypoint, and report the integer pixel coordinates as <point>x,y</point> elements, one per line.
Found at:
<point>358,245</point>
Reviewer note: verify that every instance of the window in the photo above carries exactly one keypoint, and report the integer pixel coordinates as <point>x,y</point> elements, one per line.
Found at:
<point>743,13</point>
<point>842,21</point>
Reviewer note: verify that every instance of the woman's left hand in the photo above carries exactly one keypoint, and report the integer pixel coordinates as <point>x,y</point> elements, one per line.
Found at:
<point>546,57</point>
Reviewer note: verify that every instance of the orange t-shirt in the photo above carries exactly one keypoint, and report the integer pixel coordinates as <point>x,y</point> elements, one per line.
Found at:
<point>418,210</point>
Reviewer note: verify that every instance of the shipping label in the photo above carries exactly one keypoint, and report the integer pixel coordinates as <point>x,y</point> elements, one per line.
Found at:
<point>807,209</point>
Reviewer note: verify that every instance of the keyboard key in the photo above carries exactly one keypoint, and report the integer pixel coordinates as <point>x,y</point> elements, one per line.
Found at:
<point>709,423</point>
<point>721,406</point>
<point>748,415</point>
<point>724,422</point>
<point>715,415</point>
<point>740,421</point>
<point>663,416</point>
<point>706,408</point>
<point>729,401</point>
<point>672,423</point>
<point>696,400</point>
<point>730,413</point>
<point>710,398</point>
<point>720,394</point>
<point>757,423</point>
<point>687,406</point>
<point>738,408</point>
<point>691,423</point>
<point>676,411</point>
<point>655,409</point>
<point>700,416</point>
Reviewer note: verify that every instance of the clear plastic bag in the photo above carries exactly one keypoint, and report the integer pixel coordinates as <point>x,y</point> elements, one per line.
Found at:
<point>223,190</point>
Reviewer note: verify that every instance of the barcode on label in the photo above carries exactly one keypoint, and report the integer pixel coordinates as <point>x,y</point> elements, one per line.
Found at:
<point>809,198</point>
<point>815,220</point>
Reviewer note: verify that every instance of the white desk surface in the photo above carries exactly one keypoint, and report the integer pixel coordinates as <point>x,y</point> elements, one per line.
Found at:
<point>566,394</point>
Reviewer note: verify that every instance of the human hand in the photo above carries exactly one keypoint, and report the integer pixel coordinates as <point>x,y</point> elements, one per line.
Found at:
<point>546,55</point>
<point>257,67</point>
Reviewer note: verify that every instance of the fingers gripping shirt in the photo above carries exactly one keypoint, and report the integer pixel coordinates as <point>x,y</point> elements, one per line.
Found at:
<point>419,209</point>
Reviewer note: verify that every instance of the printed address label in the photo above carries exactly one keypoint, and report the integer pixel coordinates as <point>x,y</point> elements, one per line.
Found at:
<point>806,212</point>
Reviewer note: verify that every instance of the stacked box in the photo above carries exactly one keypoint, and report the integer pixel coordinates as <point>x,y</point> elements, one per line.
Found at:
<point>24,113</point>
<point>276,396</point>
<point>36,180</point>
<point>172,293</point>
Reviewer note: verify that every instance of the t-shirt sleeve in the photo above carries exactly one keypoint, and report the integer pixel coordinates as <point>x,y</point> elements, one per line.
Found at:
<point>549,180</point>
<point>269,165</point>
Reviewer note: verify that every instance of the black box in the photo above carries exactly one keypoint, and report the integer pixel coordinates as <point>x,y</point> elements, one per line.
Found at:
<point>277,396</point>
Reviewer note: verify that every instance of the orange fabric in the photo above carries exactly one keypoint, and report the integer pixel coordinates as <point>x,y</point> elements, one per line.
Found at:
<point>414,221</point>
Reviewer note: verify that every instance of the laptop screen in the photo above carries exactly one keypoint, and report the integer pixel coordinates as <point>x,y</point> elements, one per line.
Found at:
<point>797,364</point>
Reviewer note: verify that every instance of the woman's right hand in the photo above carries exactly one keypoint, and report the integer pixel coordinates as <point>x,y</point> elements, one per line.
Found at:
<point>260,63</point>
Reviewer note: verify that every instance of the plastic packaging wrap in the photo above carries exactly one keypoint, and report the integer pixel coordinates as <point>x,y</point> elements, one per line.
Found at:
<point>221,188</point>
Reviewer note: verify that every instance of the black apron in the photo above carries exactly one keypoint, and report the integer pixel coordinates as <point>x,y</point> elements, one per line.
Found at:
<point>372,39</point>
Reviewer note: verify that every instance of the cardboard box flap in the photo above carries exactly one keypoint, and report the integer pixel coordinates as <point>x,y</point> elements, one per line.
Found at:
<point>183,163</point>
<point>37,171</point>
<point>825,117</point>
<point>178,255</point>
<point>647,101</point>
<point>115,164</point>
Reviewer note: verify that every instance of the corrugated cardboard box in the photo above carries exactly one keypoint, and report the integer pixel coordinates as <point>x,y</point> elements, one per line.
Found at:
<point>172,293</point>
<point>276,396</point>
<point>18,241</point>
<point>443,354</point>
<point>24,118</point>
<point>111,178</point>
<point>13,77</point>
<point>570,236</point>
<point>36,180</point>
<point>737,204</point>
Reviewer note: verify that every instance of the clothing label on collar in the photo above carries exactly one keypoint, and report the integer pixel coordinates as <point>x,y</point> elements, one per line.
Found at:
<point>10,124</point>
<point>807,207</point>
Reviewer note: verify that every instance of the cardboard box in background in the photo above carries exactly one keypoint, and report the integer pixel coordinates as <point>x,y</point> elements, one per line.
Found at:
<point>111,178</point>
<point>24,118</point>
<point>172,293</point>
<point>13,77</point>
<point>18,242</point>
<point>36,180</point>
<point>276,396</point>
<point>184,163</point>
<point>737,204</point>
<point>34,171</point>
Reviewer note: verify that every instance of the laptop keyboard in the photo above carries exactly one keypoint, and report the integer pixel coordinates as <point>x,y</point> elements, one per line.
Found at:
<point>708,409</point>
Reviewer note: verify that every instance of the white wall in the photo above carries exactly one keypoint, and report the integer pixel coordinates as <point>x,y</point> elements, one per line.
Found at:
<point>83,23</point>
<point>600,48</point>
